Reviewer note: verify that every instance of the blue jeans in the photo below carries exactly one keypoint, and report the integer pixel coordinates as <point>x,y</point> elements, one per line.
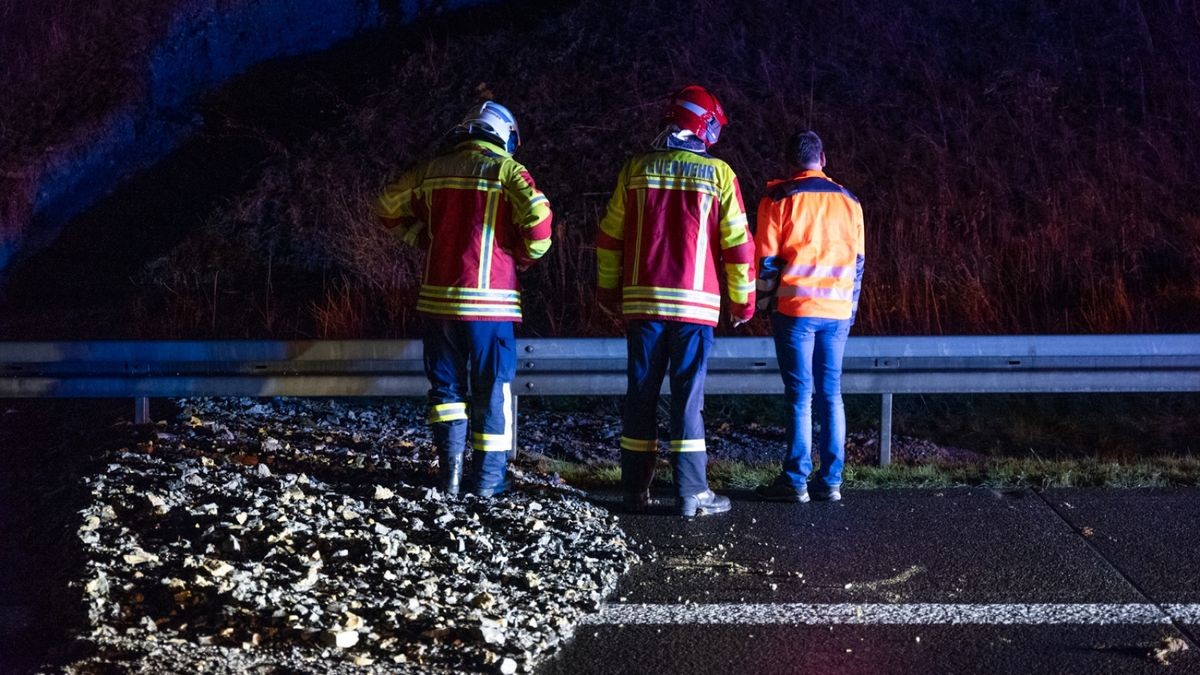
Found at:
<point>656,349</point>
<point>481,355</point>
<point>810,360</point>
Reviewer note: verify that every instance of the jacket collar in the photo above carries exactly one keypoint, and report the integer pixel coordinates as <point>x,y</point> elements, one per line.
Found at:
<point>482,145</point>
<point>808,173</point>
<point>673,139</point>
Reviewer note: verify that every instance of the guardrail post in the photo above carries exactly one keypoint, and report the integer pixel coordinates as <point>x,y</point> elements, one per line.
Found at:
<point>512,453</point>
<point>141,410</point>
<point>885,430</point>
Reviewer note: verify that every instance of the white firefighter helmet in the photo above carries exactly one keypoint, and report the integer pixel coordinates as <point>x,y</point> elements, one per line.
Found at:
<point>494,121</point>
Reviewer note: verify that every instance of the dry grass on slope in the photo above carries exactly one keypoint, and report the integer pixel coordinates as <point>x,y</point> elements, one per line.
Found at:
<point>1022,171</point>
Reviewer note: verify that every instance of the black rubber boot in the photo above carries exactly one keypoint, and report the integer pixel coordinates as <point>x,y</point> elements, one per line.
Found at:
<point>489,473</point>
<point>637,475</point>
<point>450,470</point>
<point>492,490</point>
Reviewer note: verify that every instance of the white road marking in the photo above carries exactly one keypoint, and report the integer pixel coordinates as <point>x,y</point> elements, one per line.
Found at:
<point>1184,613</point>
<point>893,614</point>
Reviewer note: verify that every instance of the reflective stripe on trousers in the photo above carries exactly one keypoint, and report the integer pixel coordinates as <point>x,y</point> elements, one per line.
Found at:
<point>481,356</point>
<point>658,349</point>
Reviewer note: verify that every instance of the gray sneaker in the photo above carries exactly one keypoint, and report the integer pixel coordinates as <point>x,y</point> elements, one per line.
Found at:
<point>704,504</point>
<point>777,492</point>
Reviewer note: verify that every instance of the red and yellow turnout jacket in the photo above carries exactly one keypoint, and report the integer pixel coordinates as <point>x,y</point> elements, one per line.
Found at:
<point>676,227</point>
<point>480,218</point>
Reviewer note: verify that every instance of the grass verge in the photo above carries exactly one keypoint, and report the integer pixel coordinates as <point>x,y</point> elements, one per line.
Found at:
<point>1163,471</point>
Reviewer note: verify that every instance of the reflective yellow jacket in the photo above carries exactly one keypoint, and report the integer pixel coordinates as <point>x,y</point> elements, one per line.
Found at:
<point>480,218</point>
<point>810,247</point>
<point>675,227</point>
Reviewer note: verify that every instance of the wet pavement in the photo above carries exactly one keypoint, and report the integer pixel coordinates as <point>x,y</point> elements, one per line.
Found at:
<point>907,581</point>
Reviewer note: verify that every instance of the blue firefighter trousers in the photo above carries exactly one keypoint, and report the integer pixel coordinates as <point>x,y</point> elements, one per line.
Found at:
<point>480,355</point>
<point>810,360</point>
<point>657,348</point>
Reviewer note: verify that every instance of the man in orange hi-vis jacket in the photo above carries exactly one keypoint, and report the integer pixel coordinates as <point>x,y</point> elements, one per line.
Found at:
<point>480,219</point>
<point>810,251</point>
<point>675,227</point>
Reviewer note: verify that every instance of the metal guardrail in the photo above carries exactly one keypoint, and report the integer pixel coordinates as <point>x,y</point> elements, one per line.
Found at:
<point>596,366</point>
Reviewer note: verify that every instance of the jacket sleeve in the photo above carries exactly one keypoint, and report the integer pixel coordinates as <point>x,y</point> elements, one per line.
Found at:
<point>860,257</point>
<point>531,213</point>
<point>766,250</point>
<point>737,249</point>
<point>403,210</point>
<point>610,242</point>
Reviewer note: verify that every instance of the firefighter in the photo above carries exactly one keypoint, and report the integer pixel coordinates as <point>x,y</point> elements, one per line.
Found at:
<point>675,227</point>
<point>480,219</point>
<point>810,252</point>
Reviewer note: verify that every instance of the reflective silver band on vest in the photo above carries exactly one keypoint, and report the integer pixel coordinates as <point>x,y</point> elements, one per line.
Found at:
<point>829,271</point>
<point>807,292</point>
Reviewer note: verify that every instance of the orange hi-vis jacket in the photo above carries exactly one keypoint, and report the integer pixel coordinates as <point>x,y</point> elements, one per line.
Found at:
<point>810,247</point>
<point>480,218</point>
<point>673,218</point>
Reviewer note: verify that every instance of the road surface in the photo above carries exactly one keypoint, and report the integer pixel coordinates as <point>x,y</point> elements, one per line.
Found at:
<point>909,581</point>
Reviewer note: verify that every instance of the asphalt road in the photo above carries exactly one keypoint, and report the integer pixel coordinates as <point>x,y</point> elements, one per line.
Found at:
<point>909,581</point>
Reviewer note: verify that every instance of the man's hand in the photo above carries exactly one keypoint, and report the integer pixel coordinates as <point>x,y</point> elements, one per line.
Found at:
<point>740,314</point>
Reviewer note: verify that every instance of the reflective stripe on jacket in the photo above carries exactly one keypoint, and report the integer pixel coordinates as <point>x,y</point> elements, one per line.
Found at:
<point>480,218</point>
<point>674,217</point>
<point>810,247</point>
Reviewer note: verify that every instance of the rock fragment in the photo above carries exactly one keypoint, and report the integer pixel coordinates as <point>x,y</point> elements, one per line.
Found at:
<point>341,639</point>
<point>217,568</point>
<point>138,556</point>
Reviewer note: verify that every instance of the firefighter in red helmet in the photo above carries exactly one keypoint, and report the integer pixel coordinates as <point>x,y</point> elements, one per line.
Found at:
<point>480,219</point>
<point>675,237</point>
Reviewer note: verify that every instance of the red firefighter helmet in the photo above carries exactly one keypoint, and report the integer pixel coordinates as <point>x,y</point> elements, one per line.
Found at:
<point>694,109</point>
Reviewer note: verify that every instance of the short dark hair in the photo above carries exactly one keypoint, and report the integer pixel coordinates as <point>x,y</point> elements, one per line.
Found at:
<point>804,148</point>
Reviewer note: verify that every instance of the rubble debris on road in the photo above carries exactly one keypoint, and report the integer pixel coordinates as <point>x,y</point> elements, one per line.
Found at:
<point>1166,649</point>
<point>302,533</point>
